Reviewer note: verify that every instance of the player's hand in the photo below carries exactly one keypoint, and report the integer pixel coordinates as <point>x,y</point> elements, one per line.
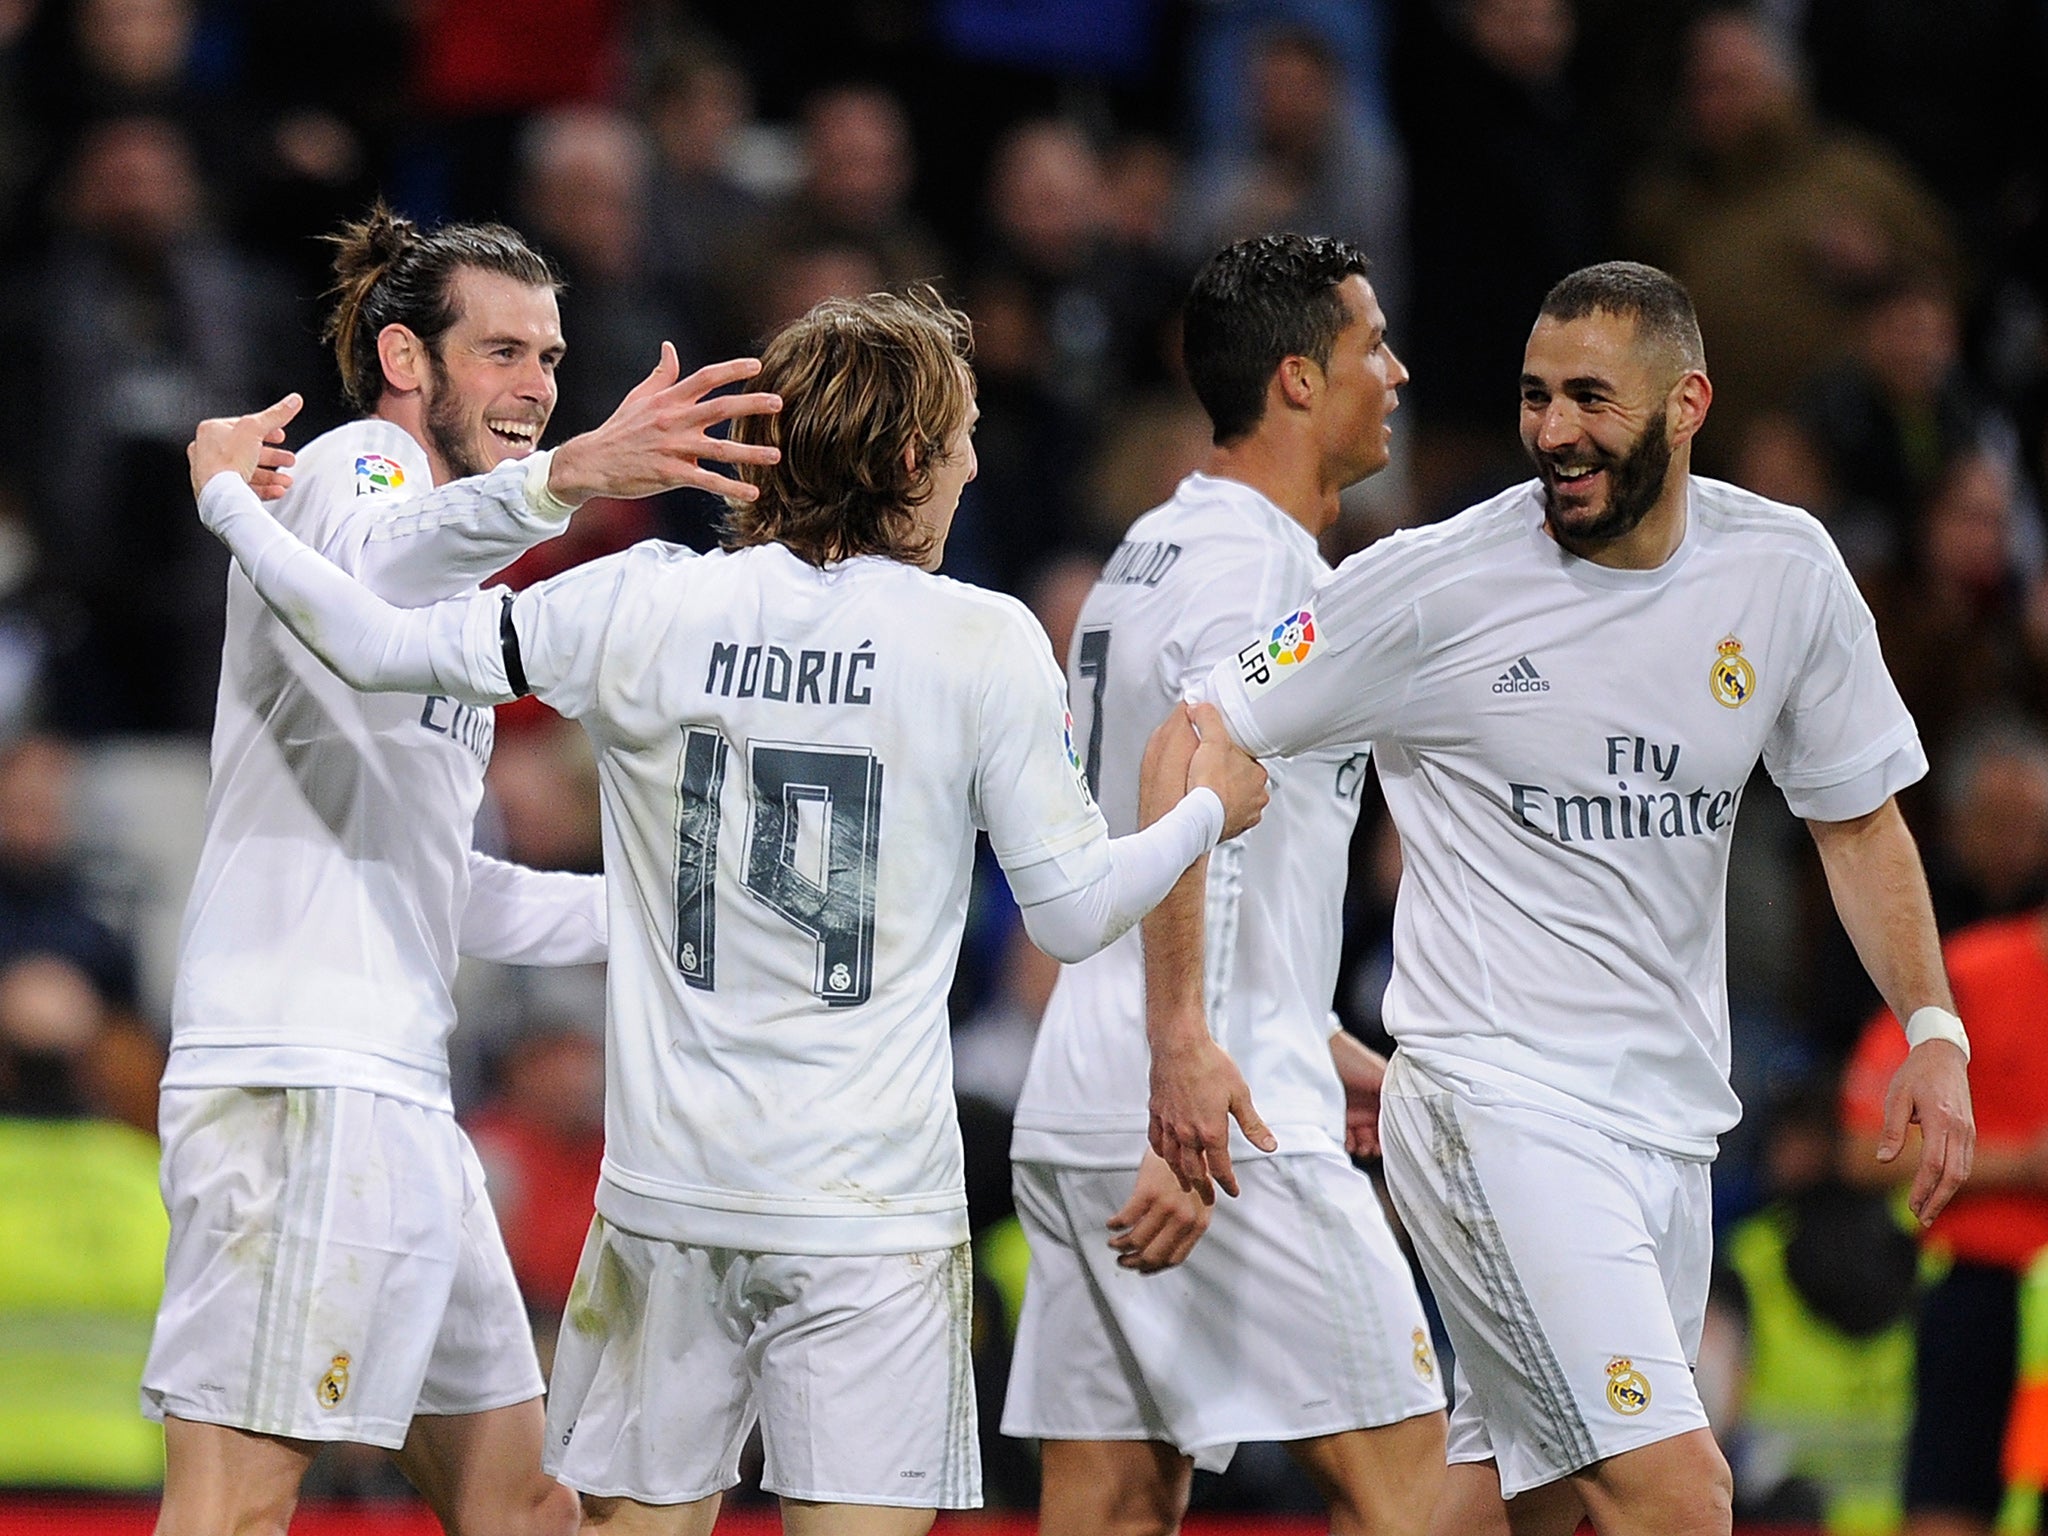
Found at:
<point>1931,1089</point>
<point>1220,764</point>
<point>1161,1222</point>
<point>656,439</point>
<point>1196,1092</point>
<point>250,446</point>
<point>1361,1070</point>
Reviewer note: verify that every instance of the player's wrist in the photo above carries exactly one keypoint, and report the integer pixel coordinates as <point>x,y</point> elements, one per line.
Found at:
<point>546,492</point>
<point>1933,1023</point>
<point>219,498</point>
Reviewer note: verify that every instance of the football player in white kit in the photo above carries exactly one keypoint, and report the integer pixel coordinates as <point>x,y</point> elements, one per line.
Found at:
<point>334,1270</point>
<point>1292,1314</point>
<point>1566,689</point>
<point>798,738</point>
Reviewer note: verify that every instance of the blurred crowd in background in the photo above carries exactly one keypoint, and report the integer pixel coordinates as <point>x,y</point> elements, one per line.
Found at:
<point>1853,190</point>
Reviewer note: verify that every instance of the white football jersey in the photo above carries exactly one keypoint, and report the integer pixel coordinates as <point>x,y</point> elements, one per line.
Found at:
<point>1563,747</point>
<point>320,937</point>
<point>1179,595</point>
<point>794,763</point>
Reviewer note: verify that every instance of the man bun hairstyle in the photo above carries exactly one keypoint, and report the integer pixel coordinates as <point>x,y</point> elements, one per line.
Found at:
<point>1253,305</point>
<point>389,271</point>
<point>873,390</point>
<point>1655,300</point>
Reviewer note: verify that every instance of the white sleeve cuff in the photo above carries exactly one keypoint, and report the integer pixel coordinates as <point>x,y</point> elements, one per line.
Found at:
<point>1140,870</point>
<point>539,495</point>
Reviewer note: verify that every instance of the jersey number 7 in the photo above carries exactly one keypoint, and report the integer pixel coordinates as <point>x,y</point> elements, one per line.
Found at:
<point>842,789</point>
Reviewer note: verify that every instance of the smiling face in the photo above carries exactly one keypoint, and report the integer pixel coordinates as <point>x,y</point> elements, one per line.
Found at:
<point>1603,414</point>
<point>489,386</point>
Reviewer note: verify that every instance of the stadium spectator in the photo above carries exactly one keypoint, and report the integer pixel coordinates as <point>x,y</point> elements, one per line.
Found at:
<point>81,1247</point>
<point>138,314</point>
<point>1893,414</point>
<point>1776,222</point>
<point>1819,1288</point>
<point>48,904</point>
<point>1966,1331</point>
<point>1311,165</point>
<point>540,1137</point>
<point>1506,196</point>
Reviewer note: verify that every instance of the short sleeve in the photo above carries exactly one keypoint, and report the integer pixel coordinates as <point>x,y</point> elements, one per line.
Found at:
<point>1843,743</point>
<point>1333,670</point>
<point>561,628</point>
<point>1029,795</point>
<point>1225,604</point>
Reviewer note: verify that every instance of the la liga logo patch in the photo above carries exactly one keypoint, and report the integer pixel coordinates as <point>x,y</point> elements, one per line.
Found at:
<point>1292,639</point>
<point>376,474</point>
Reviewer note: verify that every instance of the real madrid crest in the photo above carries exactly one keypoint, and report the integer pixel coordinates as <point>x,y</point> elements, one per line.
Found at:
<point>1733,679</point>
<point>333,1387</point>
<point>1628,1390</point>
<point>1425,1361</point>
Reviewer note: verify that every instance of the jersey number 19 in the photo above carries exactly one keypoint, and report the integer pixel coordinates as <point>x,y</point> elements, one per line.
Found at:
<point>842,789</point>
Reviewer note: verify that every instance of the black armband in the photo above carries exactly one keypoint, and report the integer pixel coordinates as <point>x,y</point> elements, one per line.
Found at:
<point>508,637</point>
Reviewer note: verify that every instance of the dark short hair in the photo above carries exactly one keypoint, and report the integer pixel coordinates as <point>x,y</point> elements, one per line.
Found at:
<point>862,381</point>
<point>389,271</point>
<point>1655,300</point>
<point>1253,305</point>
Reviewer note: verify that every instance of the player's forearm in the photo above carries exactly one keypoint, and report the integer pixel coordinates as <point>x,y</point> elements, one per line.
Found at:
<point>456,535</point>
<point>372,646</point>
<point>1174,959</point>
<point>1139,871</point>
<point>524,916</point>
<point>1880,894</point>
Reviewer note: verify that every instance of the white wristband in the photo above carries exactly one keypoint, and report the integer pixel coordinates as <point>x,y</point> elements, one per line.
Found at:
<point>1937,1024</point>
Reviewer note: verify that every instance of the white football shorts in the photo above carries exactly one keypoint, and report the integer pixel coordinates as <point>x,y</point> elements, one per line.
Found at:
<point>1571,1269</point>
<point>1295,1316</point>
<point>334,1268</point>
<point>857,1369</point>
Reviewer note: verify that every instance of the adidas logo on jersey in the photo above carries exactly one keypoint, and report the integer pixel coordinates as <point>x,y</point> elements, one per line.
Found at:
<point>1522,677</point>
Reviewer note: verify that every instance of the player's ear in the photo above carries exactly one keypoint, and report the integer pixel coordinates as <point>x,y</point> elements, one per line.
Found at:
<point>403,357</point>
<point>1297,379</point>
<point>1688,403</point>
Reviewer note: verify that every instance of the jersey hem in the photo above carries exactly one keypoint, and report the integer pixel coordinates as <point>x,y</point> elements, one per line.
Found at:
<point>829,1229</point>
<point>1485,1083</point>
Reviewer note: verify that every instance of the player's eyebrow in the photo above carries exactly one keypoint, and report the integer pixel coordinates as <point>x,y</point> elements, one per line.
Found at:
<point>1580,384</point>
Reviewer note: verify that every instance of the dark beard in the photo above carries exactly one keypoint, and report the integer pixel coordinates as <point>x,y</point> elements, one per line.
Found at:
<point>445,427</point>
<point>1634,484</point>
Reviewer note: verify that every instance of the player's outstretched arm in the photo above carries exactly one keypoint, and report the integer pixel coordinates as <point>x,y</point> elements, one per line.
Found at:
<point>521,916</point>
<point>1196,1088</point>
<point>361,638</point>
<point>1880,893</point>
<point>660,435</point>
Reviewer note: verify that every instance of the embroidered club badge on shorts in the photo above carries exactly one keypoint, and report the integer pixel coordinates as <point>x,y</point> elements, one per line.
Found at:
<point>1733,679</point>
<point>1424,1357</point>
<point>376,474</point>
<point>333,1387</point>
<point>1628,1390</point>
